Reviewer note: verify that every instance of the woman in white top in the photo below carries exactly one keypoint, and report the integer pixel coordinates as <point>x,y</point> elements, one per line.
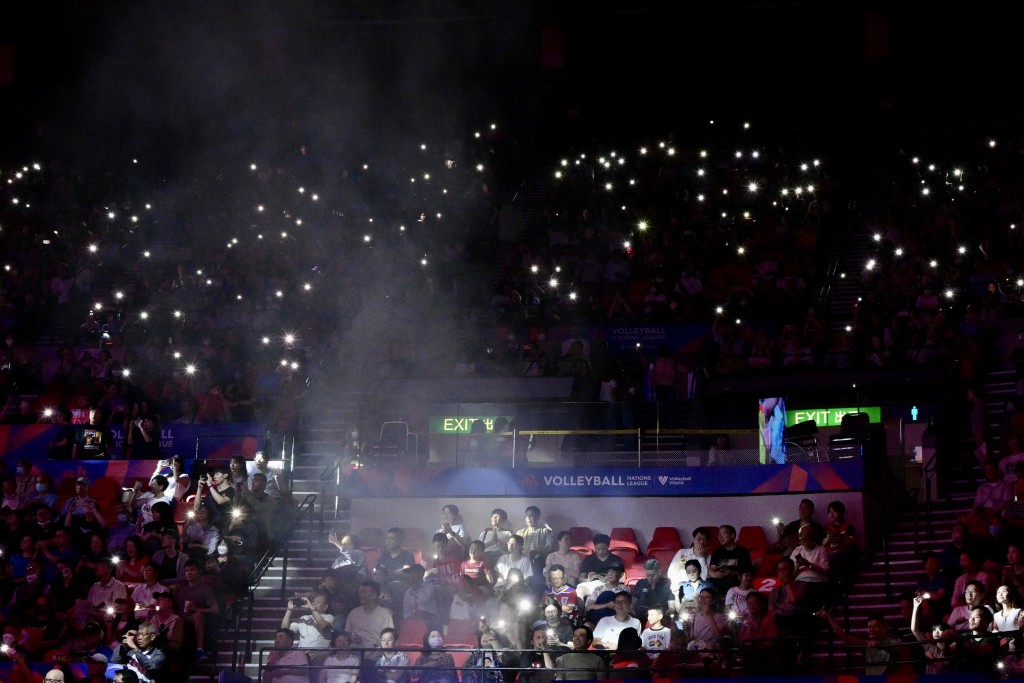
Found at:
<point>178,481</point>
<point>453,527</point>
<point>340,657</point>
<point>1007,617</point>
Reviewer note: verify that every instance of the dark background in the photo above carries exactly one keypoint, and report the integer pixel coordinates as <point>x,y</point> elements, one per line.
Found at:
<point>98,80</point>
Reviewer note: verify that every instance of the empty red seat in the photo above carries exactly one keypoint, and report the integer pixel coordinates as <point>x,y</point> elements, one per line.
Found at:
<point>581,534</point>
<point>665,538</point>
<point>411,632</point>
<point>623,537</point>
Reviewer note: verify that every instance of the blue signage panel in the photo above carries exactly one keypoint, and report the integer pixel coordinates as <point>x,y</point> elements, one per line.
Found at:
<point>382,482</point>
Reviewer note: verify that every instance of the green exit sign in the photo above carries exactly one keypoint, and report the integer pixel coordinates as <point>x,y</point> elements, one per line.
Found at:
<point>830,417</point>
<point>460,424</point>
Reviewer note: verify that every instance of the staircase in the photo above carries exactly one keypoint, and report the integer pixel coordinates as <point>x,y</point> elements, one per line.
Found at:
<point>308,552</point>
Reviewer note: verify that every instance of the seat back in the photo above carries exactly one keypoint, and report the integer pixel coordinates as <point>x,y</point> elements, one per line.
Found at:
<point>371,537</point>
<point>580,534</point>
<point>664,556</point>
<point>665,538</point>
<point>415,543</point>
<point>411,632</point>
<point>855,426</point>
<point>394,435</point>
<point>623,537</point>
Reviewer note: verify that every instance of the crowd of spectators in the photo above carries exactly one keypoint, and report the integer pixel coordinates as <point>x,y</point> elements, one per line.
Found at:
<point>143,580</point>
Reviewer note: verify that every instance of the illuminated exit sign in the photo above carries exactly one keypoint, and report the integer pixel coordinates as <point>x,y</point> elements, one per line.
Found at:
<point>830,417</point>
<point>461,424</point>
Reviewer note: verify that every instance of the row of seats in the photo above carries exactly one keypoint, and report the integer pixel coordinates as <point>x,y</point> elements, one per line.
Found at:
<point>665,543</point>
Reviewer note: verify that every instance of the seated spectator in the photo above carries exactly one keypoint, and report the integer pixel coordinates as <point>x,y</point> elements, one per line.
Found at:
<point>139,654</point>
<point>268,512</point>
<point>973,596</point>
<point>119,620</point>
<point>757,636</point>
<point>600,602</point>
<point>121,529</point>
<point>991,499</point>
<point>653,589</point>
<point>514,559</point>
<point>564,594</point>
<point>170,560</point>
<point>557,628</point>
<point>736,598</point>
<point>486,662</point>
<point>976,649</point>
<point>697,551</point>
<point>67,589</point>
<point>11,501</point>
<point>200,536</point>
<point>970,565</point>
<point>629,661</point>
<point>341,665</point>
<point>144,502</point>
<point>476,567</point>
<point>565,557</point>
<point>178,480</point>
<point>238,474</point>
<point>788,533</point>
<point>453,527</point>
<point>129,567</point>
<point>689,590</point>
<point>144,594</point>
<point>794,613</point>
<point>391,663</point>
<point>105,590</point>
<point>230,568</point>
<point>42,493</point>
<point>1007,617</point>
<point>437,665</point>
<point>313,630</point>
<point>216,493</point>
<point>881,647</point>
<point>935,589</point>
<point>423,600</point>
<point>706,627</point>
<point>56,549</point>
<point>608,628</point>
<point>170,626</point>
<point>495,537</point>
<point>363,621</point>
<point>657,636</point>
<point>936,650</point>
<point>581,664</point>
<point>350,562</point>
<point>811,562</point>
<point>199,605</point>
<point>728,560</point>
<point>594,566</point>
<point>274,483</point>
<point>286,663</point>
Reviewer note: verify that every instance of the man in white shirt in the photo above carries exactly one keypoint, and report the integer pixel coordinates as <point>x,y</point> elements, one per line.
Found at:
<point>607,630</point>
<point>513,560</point>
<point>314,629</point>
<point>106,589</point>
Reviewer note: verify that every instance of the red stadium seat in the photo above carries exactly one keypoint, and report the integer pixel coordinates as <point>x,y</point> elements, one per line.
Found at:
<point>665,538</point>
<point>623,537</point>
<point>580,534</point>
<point>663,556</point>
<point>411,632</point>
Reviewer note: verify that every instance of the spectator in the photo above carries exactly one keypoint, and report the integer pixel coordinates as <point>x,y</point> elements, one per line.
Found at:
<point>219,493</point>
<point>495,537</point>
<point>200,536</point>
<point>789,539</point>
<point>653,589</point>
<point>973,596</point>
<point>350,561</point>
<point>238,474</point>
<point>391,664</point>
<point>558,629</point>
<point>565,557</point>
<point>268,511</point>
<point>363,621</point>
<point>178,480</point>
<point>936,650</point>
<point>129,567</point>
<point>698,551</point>
<point>139,653</point>
<point>514,559</point>
<point>314,630</point>
<point>976,649</point>
<point>486,662</point>
<point>341,665</point>
<point>93,440</point>
<point>454,528</point>
<point>142,433</point>
<point>476,568</point>
<point>840,543</point>
<point>538,540</point>
<point>105,590</point>
<point>275,485</point>
<point>434,664</point>
<point>199,605</point>
<point>144,595</point>
<point>286,663</point>
<point>608,629</point>
<point>880,646</point>
<point>422,600</point>
<point>581,664</point>
<point>170,560</point>
<point>728,561</point>
<point>564,594</point>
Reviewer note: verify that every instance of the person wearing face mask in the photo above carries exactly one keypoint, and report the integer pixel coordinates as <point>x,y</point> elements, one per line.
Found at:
<point>65,592</point>
<point>435,665</point>
<point>25,480</point>
<point>232,567</point>
<point>121,530</point>
<point>42,494</point>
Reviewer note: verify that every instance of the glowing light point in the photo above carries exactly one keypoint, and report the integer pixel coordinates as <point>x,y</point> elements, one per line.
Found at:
<point>306,286</point>
<point>93,248</point>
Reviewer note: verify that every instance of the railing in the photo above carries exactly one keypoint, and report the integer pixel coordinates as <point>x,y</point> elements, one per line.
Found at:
<point>812,655</point>
<point>303,512</point>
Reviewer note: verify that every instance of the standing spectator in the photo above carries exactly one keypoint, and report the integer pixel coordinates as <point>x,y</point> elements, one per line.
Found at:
<point>219,493</point>
<point>454,527</point>
<point>142,433</point>
<point>275,484</point>
<point>538,540</point>
<point>178,480</point>
<point>93,440</point>
<point>238,474</point>
<point>495,537</point>
<point>199,605</point>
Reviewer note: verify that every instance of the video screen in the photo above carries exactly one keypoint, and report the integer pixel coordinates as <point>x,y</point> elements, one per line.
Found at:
<point>771,424</point>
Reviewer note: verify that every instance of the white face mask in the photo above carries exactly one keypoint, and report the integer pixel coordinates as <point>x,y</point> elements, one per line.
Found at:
<point>222,550</point>
<point>40,487</point>
<point>435,642</point>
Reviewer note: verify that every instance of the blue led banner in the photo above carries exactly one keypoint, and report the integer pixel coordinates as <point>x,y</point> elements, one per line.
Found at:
<point>380,482</point>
